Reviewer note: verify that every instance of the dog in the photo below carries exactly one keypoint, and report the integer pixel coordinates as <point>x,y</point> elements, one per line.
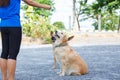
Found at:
<point>70,62</point>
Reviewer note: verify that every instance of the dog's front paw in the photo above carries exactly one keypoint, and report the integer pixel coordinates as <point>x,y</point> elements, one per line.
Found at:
<point>59,72</point>
<point>62,74</point>
<point>54,67</point>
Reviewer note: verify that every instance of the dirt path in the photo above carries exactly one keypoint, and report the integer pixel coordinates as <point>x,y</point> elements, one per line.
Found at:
<point>96,39</point>
<point>81,39</point>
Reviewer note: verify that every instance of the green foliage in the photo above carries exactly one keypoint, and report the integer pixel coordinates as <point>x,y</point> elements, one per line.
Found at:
<point>108,22</point>
<point>44,12</point>
<point>103,5</point>
<point>95,24</point>
<point>36,23</point>
<point>38,27</point>
<point>41,11</point>
<point>59,25</point>
<point>105,8</point>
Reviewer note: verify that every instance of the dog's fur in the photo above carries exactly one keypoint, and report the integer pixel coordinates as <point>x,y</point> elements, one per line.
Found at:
<point>70,62</point>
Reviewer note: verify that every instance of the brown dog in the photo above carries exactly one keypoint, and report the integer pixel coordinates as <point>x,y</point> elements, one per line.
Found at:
<point>70,62</point>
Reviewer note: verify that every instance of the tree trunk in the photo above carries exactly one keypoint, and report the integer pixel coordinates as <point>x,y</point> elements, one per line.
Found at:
<point>77,18</point>
<point>69,23</point>
<point>74,1</point>
<point>99,22</point>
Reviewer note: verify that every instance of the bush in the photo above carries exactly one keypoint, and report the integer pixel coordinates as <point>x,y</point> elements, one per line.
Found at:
<point>38,27</point>
<point>59,25</point>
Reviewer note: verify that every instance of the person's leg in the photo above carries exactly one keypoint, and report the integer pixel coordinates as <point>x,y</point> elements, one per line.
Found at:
<point>11,68</point>
<point>14,46</point>
<point>3,63</point>
<point>4,54</point>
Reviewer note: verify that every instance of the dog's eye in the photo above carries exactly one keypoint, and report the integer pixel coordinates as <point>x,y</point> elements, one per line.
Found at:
<point>57,36</point>
<point>53,39</point>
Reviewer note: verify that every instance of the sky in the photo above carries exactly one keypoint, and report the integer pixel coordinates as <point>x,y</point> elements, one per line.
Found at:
<point>64,11</point>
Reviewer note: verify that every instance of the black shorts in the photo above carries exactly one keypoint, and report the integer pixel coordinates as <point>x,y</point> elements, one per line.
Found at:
<point>11,40</point>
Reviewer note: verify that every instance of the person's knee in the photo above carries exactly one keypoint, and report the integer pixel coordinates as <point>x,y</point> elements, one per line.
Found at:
<point>4,55</point>
<point>14,57</point>
<point>13,54</point>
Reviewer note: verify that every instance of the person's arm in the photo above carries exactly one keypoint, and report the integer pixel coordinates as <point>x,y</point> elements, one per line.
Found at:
<point>35,4</point>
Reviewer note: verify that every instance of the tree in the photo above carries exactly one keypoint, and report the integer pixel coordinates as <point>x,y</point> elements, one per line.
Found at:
<point>100,6</point>
<point>74,1</point>
<point>109,21</point>
<point>77,11</point>
<point>60,25</point>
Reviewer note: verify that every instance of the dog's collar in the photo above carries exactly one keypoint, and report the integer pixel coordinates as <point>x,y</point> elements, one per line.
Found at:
<point>61,45</point>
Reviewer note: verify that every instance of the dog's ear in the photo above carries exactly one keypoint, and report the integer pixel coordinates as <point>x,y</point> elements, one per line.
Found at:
<point>71,37</point>
<point>64,39</point>
<point>51,33</point>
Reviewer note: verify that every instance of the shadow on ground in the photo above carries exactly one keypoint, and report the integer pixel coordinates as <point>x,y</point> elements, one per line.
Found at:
<point>36,63</point>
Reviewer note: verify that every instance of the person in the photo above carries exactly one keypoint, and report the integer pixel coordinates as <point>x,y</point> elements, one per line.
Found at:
<point>11,33</point>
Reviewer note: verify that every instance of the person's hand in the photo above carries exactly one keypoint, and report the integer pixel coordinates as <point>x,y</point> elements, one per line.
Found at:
<point>47,7</point>
<point>35,4</point>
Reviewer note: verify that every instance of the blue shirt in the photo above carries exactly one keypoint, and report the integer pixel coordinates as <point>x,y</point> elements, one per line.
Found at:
<point>10,15</point>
